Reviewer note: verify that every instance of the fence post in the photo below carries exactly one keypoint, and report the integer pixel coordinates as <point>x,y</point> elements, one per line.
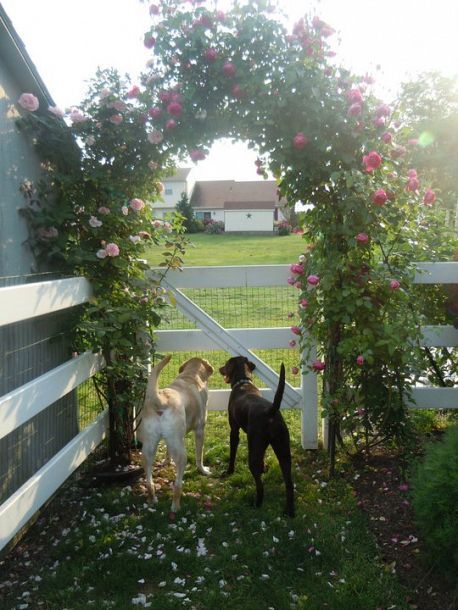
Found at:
<point>309,420</point>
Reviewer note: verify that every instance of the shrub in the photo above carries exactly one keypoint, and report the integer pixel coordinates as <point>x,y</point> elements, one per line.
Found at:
<point>284,228</point>
<point>435,502</point>
<point>214,227</point>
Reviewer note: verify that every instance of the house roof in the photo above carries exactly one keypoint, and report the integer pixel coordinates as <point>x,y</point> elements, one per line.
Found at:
<point>180,175</point>
<point>232,195</point>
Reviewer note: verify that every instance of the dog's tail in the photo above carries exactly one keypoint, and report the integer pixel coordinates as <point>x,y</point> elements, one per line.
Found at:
<point>152,387</point>
<point>279,393</point>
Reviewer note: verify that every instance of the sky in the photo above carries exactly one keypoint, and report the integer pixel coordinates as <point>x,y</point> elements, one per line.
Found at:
<point>393,40</point>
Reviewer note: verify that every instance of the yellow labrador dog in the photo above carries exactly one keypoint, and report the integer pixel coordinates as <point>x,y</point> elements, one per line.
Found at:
<point>170,414</point>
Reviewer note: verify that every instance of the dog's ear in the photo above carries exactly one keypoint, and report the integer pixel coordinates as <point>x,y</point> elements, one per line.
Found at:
<point>251,365</point>
<point>183,366</point>
<point>208,367</point>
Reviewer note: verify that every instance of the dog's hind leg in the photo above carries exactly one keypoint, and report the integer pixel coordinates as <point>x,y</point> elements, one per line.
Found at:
<point>148,455</point>
<point>178,453</point>
<point>199,437</point>
<point>256,450</point>
<point>284,459</point>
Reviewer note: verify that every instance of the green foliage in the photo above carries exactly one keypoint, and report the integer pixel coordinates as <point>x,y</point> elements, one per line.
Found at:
<point>214,227</point>
<point>185,209</point>
<point>91,214</point>
<point>435,501</point>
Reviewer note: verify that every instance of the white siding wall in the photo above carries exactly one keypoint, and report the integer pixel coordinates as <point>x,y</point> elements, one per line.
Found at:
<point>249,220</point>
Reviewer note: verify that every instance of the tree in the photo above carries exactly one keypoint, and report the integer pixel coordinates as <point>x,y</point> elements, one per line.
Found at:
<point>184,208</point>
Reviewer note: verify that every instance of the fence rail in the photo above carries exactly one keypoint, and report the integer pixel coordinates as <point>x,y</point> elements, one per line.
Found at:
<point>27,301</point>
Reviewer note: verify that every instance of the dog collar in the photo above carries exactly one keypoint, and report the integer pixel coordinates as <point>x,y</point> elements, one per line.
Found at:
<point>241,382</point>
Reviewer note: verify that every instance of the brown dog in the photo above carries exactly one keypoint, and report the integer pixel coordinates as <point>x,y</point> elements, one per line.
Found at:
<point>262,422</point>
<point>170,414</point>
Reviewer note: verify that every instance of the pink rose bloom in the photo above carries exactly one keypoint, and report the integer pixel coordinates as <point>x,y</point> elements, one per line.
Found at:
<point>296,330</point>
<point>29,102</point>
<point>394,284</point>
<point>379,121</point>
<point>360,360</point>
<point>118,105</point>
<point>372,161</point>
<point>387,137</point>
<point>362,238</point>
<point>303,303</point>
<point>104,210</point>
<point>76,116</point>
<point>318,365</point>
<point>413,184</point>
<point>300,141</point>
<point>291,281</point>
<point>154,9</point>
<point>104,93</point>
<point>133,92</point>
<point>354,96</point>
<point>94,222</point>
<point>116,119</point>
<point>137,204</point>
<point>175,108</point>
<point>412,173</point>
<point>237,91</point>
<point>155,112</point>
<point>379,197</point>
<point>210,54</point>
<point>355,109</point>
<point>292,343</point>
<point>89,141</point>
<point>155,137</point>
<point>197,155</point>
<point>144,234</point>
<point>382,110</point>
<point>313,280</point>
<point>412,141</point>
<point>153,165</point>
<point>430,197</point>
<point>112,249</point>
<point>125,210</point>
<point>149,41</point>
<point>229,69</point>
<point>102,253</point>
<point>170,124</point>
<point>294,370</point>
<point>56,111</point>
<point>297,269</point>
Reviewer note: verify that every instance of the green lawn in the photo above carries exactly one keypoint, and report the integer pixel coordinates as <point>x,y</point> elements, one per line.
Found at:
<point>236,249</point>
<point>107,548</point>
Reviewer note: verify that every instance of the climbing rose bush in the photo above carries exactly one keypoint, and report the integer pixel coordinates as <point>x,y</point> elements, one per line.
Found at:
<point>332,144</point>
<point>92,214</point>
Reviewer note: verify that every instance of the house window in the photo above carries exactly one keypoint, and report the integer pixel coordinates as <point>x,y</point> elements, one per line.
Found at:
<point>169,191</point>
<point>207,215</point>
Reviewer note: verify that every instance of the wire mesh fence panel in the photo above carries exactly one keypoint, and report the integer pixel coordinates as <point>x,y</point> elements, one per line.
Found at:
<point>90,403</point>
<point>245,307</point>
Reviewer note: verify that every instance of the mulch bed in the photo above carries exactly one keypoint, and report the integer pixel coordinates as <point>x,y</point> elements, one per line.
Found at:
<point>383,494</point>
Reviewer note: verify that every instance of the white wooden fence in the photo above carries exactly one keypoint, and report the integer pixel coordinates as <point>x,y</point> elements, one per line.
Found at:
<point>30,300</point>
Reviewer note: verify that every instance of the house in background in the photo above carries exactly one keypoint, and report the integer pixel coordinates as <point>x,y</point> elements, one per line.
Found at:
<point>174,186</point>
<point>251,206</point>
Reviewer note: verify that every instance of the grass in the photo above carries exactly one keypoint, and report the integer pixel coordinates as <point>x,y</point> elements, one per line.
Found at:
<point>237,249</point>
<point>107,548</point>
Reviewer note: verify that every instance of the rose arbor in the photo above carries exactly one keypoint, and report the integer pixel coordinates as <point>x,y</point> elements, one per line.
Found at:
<point>329,142</point>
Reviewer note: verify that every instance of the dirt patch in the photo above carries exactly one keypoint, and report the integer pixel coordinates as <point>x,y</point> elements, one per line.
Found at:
<point>383,494</point>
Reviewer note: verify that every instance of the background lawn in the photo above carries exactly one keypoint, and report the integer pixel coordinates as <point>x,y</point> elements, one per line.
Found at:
<point>237,249</point>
